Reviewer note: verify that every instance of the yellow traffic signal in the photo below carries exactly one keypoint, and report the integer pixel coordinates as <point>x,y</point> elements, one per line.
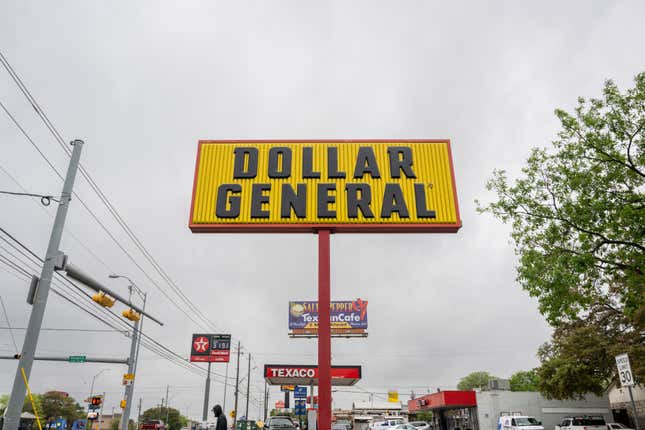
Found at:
<point>131,315</point>
<point>123,403</point>
<point>103,300</point>
<point>232,414</point>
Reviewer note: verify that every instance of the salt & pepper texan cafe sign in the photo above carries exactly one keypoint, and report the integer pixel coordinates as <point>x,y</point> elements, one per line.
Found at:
<point>345,186</point>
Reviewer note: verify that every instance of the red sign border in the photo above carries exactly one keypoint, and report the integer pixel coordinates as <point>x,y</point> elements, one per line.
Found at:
<point>334,228</point>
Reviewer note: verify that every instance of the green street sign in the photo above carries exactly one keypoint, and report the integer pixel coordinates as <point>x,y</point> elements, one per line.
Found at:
<point>77,359</point>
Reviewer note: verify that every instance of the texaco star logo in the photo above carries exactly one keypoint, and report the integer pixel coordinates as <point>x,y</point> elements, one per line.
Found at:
<point>201,344</point>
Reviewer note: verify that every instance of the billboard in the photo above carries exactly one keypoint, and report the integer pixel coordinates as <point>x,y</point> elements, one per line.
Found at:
<point>345,185</point>
<point>214,348</point>
<point>348,317</point>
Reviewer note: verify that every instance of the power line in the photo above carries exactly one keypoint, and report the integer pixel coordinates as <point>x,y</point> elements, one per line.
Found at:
<point>6,315</point>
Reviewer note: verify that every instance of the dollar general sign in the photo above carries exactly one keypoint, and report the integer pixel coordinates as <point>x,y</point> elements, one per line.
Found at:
<point>347,186</point>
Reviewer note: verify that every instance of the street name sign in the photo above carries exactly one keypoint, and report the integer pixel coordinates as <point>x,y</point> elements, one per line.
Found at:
<point>77,359</point>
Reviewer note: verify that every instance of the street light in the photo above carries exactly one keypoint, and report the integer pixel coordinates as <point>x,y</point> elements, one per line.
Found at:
<point>137,325</point>
<point>92,393</point>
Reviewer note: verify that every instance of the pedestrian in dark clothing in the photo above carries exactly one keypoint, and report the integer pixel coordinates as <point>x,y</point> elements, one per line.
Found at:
<point>221,418</point>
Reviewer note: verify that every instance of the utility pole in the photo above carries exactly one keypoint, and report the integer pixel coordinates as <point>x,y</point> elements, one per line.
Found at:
<point>248,388</point>
<point>167,410</point>
<point>266,400</point>
<point>132,364</point>
<point>225,387</point>
<point>237,383</point>
<point>14,408</point>
<point>139,414</point>
<point>207,391</point>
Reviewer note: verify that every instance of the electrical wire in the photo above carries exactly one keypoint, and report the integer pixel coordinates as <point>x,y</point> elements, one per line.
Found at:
<point>6,315</point>
<point>61,141</point>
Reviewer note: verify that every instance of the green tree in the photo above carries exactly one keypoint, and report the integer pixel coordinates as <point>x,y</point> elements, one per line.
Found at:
<point>175,419</point>
<point>26,407</point>
<point>524,381</point>
<point>578,214</point>
<point>54,404</point>
<point>475,380</point>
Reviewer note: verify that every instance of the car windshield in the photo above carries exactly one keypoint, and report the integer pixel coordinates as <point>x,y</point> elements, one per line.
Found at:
<point>589,421</point>
<point>418,423</point>
<point>526,421</point>
<point>281,422</point>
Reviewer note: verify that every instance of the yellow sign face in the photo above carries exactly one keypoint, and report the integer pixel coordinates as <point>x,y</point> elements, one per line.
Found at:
<point>393,396</point>
<point>304,186</point>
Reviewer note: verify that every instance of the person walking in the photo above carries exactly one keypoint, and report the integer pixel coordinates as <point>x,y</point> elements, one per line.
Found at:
<point>221,418</point>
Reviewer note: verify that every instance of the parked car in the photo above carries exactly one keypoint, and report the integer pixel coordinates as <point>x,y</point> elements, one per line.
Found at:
<point>420,425</point>
<point>618,426</point>
<point>153,425</point>
<point>281,423</point>
<point>387,423</point>
<point>404,427</point>
<point>595,422</point>
<point>339,426</point>
<point>519,422</point>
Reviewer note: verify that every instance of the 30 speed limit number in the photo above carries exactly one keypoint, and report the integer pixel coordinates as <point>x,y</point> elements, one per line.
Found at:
<point>624,370</point>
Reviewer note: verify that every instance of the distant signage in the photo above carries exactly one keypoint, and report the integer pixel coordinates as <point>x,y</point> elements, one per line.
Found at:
<point>279,404</point>
<point>77,359</point>
<point>210,348</point>
<point>300,407</point>
<point>348,317</point>
<point>308,374</point>
<point>128,379</point>
<point>300,392</point>
<point>393,396</point>
<point>624,370</point>
<point>287,388</point>
<point>348,186</point>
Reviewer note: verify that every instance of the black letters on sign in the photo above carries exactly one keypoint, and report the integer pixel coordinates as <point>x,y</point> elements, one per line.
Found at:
<point>291,199</point>
<point>400,159</point>
<point>422,206</point>
<point>222,209</point>
<point>366,163</point>
<point>332,163</point>
<point>308,163</point>
<point>393,201</point>
<point>242,154</point>
<point>325,199</point>
<point>354,201</point>
<point>258,199</point>
<point>275,154</point>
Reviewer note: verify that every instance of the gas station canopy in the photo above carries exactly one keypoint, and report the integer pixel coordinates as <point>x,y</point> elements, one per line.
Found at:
<point>281,374</point>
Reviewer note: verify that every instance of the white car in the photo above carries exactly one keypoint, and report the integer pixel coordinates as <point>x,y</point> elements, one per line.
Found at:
<point>519,422</point>
<point>420,425</point>
<point>617,426</point>
<point>582,423</point>
<point>387,423</point>
<point>405,427</point>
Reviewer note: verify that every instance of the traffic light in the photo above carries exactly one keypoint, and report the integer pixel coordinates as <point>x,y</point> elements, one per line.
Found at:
<point>131,315</point>
<point>103,300</point>
<point>123,403</point>
<point>232,414</point>
<point>96,400</point>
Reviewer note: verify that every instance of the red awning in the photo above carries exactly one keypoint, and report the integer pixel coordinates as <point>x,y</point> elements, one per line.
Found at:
<point>280,374</point>
<point>444,400</point>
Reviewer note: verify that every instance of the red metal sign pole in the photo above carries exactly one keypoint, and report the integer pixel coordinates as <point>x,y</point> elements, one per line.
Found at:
<point>324,332</point>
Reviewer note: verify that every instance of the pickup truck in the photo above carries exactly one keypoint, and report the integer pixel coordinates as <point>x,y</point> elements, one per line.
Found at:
<point>582,423</point>
<point>153,425</point>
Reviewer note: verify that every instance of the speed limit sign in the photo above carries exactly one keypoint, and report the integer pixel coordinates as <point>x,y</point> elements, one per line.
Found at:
<point>624,370</point>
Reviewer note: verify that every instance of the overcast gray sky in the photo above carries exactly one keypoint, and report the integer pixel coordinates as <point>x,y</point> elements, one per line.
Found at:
<point>141,82</point>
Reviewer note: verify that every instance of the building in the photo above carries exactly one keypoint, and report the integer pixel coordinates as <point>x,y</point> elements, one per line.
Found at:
<point>621,405</point>
<point>376,408</point>
<point>481,410</point>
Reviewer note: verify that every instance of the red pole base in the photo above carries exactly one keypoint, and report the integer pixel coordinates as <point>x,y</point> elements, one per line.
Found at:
<point>324,332</point>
